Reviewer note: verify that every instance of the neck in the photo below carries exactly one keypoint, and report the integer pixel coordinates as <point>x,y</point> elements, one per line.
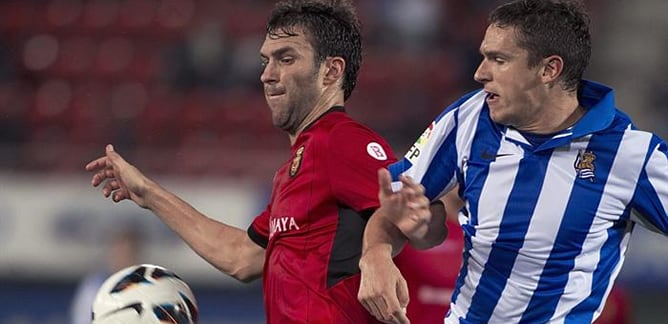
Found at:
<point>559,113</point>
<point>327,100</point>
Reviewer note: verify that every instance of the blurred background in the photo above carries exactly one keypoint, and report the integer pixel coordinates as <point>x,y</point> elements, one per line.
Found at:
<point>174,85</point>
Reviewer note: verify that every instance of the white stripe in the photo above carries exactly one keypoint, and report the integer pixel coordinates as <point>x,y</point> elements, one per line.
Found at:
<point>452,318</point>
<point>494,197</point>
<point>624,173</point>
<point>562,135</point>
<point>468,117</point>
<point>623,246</point>
<point>658,176</point>
<point>540,236</point>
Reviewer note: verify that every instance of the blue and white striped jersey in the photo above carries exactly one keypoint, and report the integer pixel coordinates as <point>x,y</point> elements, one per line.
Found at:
<point>546,228</point>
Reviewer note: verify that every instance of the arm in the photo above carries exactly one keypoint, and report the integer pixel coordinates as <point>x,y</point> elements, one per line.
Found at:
<point>226,247</point>
<point>402,215</point>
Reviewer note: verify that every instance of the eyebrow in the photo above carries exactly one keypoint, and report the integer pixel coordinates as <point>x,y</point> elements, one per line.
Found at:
<point>495,53</point>
<point>279,52</point>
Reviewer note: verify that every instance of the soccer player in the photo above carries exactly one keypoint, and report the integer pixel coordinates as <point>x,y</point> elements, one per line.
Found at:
<point>550,172</point>
<point>306,244</point>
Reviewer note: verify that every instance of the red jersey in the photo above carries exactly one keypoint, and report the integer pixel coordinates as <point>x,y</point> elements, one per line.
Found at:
<point>312,228</point>
<point>431,276</point>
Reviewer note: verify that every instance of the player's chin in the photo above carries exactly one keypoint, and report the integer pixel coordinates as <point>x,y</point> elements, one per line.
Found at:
<point>497,116</point>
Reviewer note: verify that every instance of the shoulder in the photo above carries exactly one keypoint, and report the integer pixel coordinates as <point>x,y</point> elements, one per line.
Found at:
<point>341,136</point>
<point>341,128</point>
<point>468,107</point>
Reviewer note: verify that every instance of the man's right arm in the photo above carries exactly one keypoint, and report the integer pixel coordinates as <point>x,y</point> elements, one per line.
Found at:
<point>226,247</point>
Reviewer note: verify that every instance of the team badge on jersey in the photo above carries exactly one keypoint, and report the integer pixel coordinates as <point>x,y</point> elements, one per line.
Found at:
<point>376,151</point>
<point>584,165</point>
<point>296,161</point>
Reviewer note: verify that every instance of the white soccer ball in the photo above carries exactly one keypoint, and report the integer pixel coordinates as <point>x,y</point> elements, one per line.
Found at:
<point>144,294</point>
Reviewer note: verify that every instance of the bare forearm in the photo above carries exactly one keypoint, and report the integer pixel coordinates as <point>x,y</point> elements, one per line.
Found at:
<point>226,247</point>
<point>382,234</point>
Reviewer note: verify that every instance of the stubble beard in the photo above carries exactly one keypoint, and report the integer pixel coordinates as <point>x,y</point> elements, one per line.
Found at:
<point>297,105</point>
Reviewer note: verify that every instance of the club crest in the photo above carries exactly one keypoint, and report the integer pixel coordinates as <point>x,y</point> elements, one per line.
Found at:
<point>584,165</point>
<point>296,161</point>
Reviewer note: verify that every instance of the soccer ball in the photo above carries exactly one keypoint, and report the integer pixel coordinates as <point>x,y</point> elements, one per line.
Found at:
<point>144,294</point>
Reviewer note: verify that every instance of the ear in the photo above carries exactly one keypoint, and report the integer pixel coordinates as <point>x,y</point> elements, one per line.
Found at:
<point>334,69</point>
<point>553,66</point>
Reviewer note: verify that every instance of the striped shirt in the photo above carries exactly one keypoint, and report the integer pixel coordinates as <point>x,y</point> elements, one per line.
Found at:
<point>546,228</point>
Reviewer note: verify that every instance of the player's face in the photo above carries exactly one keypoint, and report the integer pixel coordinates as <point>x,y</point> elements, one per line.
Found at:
<point>290,78</point>
<point>514,90</point>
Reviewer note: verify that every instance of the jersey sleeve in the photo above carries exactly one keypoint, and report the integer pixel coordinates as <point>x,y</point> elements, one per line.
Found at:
<point>258,231</point>
<point>355,155</point>
<point>433,159</point>
<point>651,195</point>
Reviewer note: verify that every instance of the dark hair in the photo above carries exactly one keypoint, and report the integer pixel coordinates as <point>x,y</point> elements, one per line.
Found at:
<point>550,27</point>
<point>331,26</point>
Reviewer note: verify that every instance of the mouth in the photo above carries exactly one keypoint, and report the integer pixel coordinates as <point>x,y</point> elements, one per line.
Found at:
<point>491,96</point>
<point>273,93</point>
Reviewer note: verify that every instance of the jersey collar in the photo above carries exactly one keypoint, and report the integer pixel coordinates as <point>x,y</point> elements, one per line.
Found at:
<point>330,110</point>
<point>599,102</point>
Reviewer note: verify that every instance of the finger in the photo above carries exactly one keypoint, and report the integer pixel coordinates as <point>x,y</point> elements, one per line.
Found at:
<point>371,306</point>
<point>401,318</point>
<point>120,195</point>
<point>418,202</point>
<point>395,313</point>
<point>98,178</point>
<point>402,293</point>
<point>97,164</point>
<point>374,310</point>
<point>110,186</point>
<point>113,157</point>
<point>385,181</point>
<point>408,182</point>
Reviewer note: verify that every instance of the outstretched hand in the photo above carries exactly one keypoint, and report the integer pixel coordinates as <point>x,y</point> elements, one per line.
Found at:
<point>408,207</point>
<point>121,180</point>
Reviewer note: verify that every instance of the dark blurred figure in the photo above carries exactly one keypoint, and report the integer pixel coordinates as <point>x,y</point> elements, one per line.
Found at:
<point>124,247</point>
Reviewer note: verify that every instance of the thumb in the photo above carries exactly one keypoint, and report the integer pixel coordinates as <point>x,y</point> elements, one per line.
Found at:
<point>113,155</point>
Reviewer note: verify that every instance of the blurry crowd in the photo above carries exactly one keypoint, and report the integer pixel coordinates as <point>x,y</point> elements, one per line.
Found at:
<point>174,84</point>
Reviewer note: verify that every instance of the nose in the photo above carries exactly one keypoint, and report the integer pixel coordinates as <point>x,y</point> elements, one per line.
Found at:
<point>269,73</point>
<point>482,73</point>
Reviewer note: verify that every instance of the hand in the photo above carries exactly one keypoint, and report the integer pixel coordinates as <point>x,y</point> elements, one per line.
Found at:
<point>121,179</point>
<point>383,291</point>
<point>407,208</point>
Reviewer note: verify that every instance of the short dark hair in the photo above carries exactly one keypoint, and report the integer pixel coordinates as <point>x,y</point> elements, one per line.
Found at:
<point>550,27</point>
<point>332,27</point>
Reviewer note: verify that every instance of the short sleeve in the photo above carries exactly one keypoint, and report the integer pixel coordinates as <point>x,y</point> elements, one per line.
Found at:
<point>651,195</point>
<point>258,231</point>
<point>355,155</point>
